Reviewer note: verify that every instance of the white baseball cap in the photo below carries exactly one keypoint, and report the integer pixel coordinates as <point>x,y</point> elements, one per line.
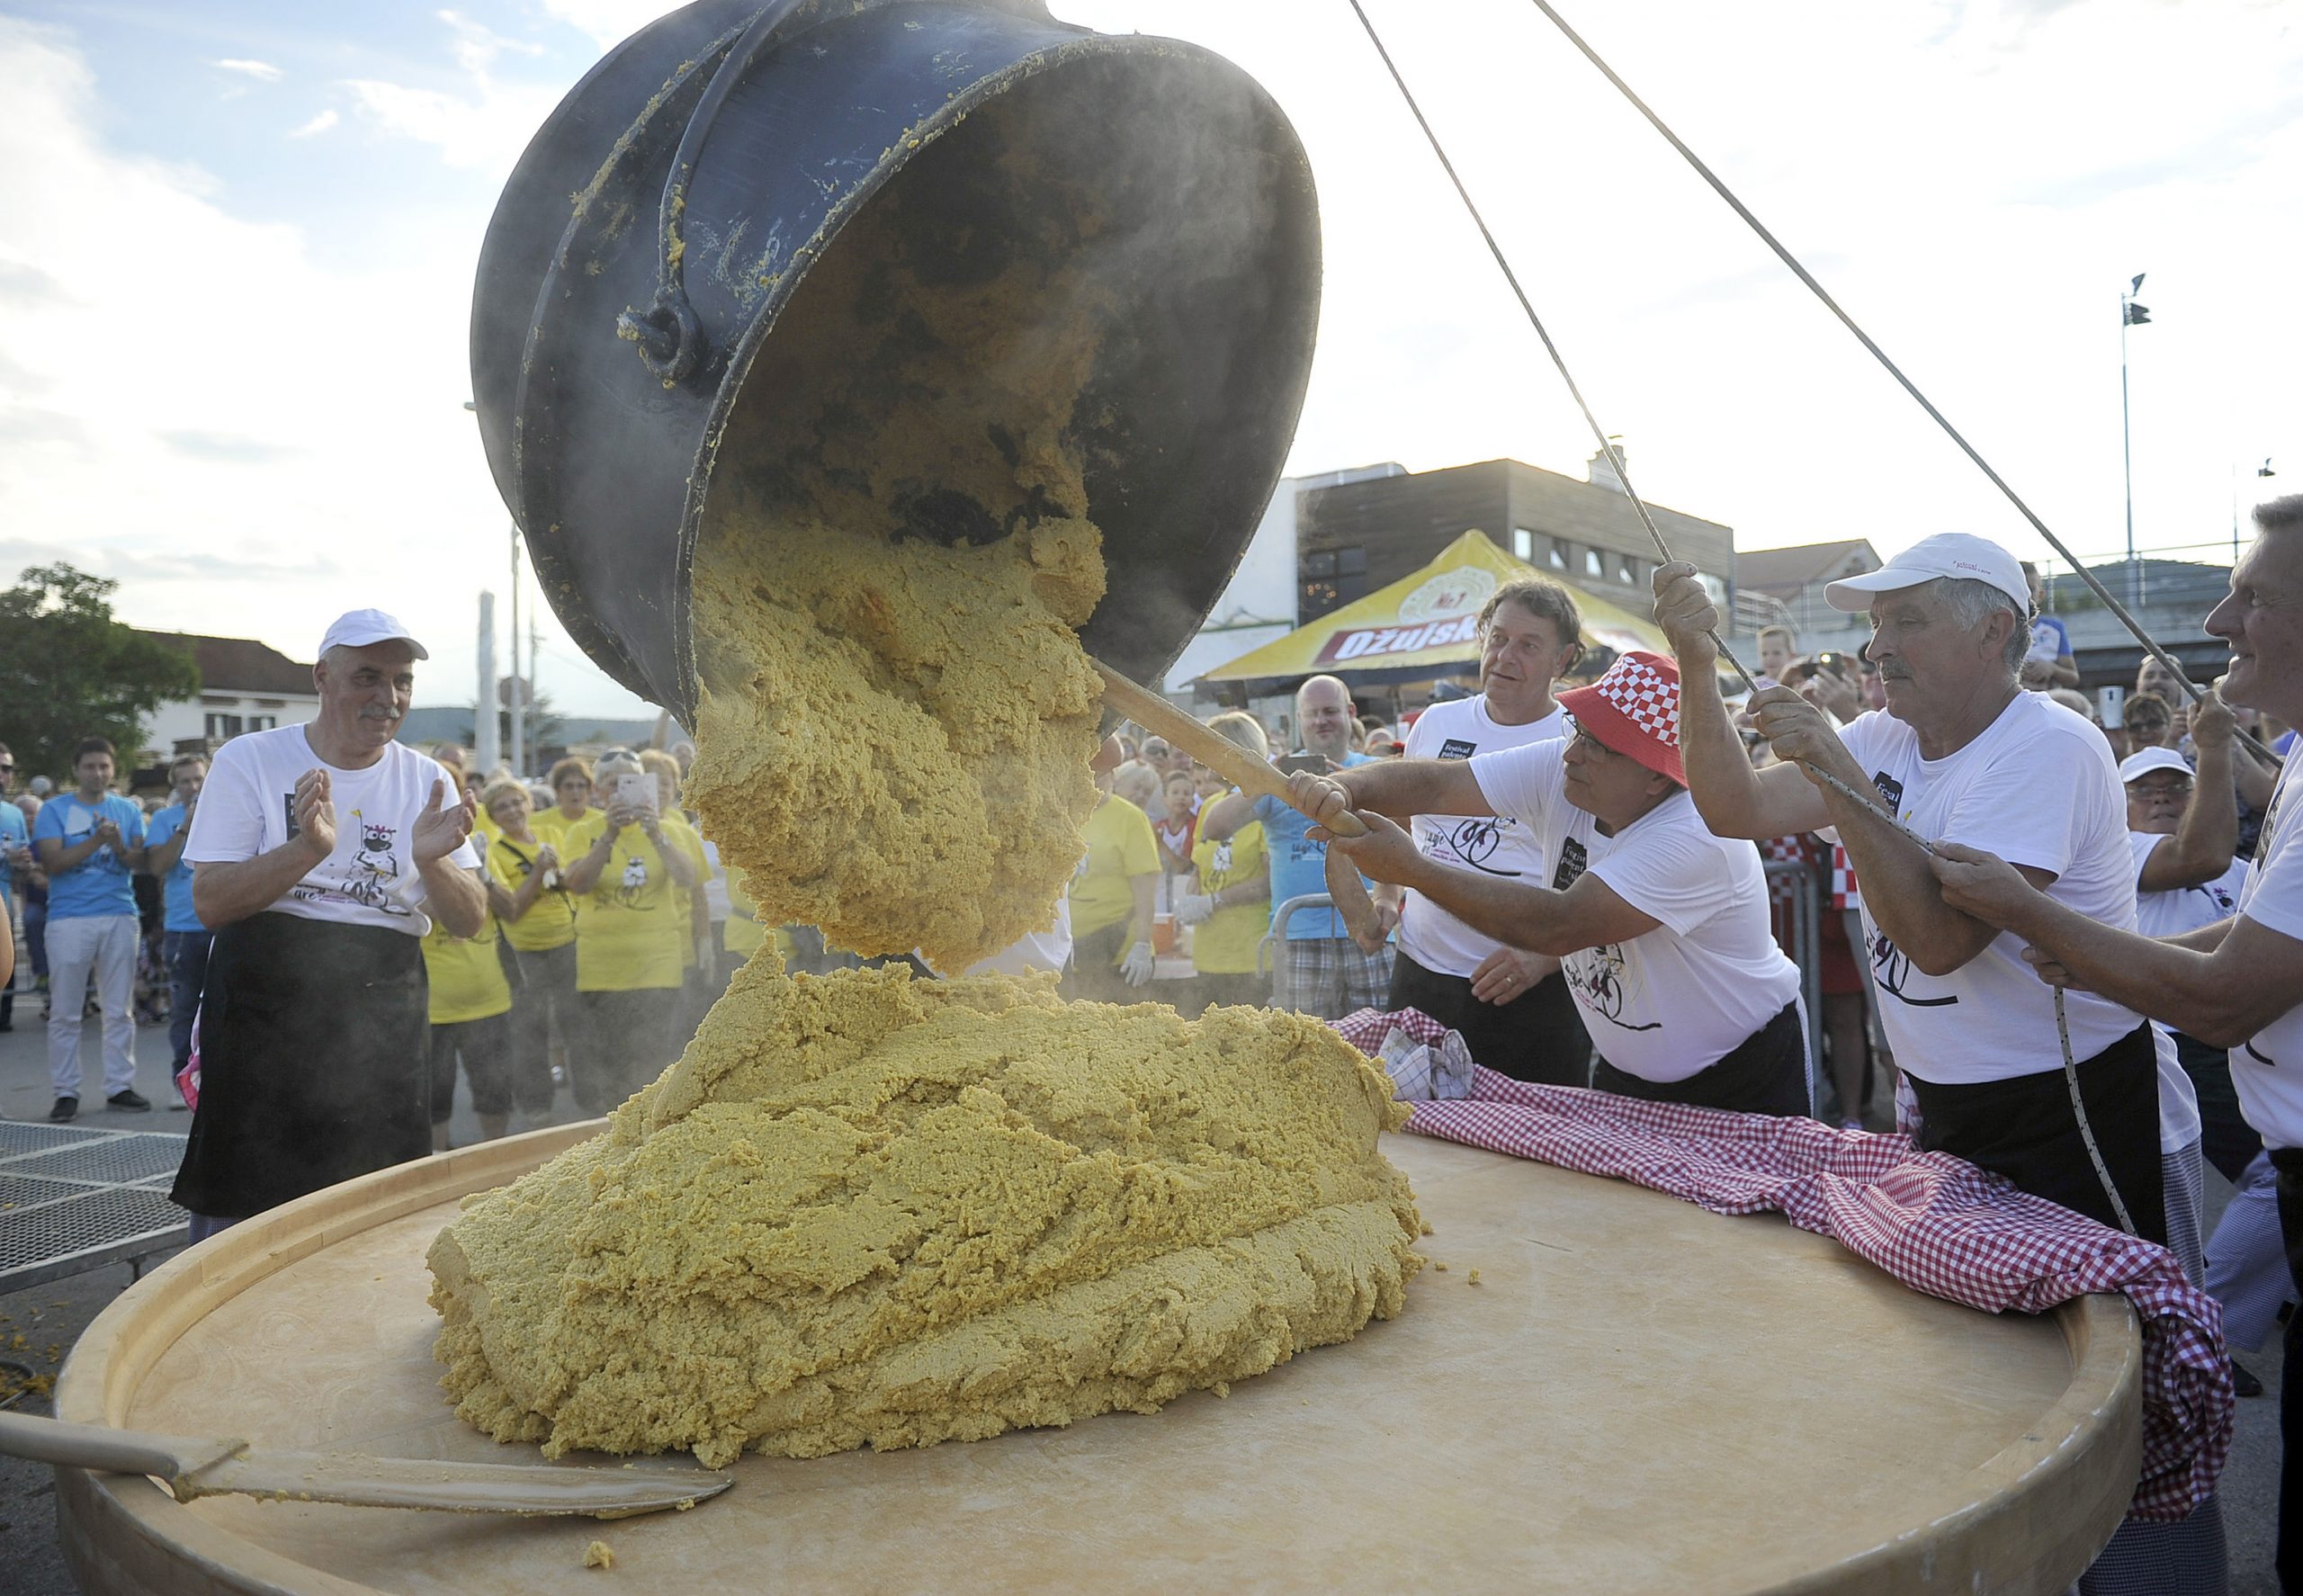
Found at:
<point>1959,555</point>
<point>360,629</point>
<point>2150,759</point>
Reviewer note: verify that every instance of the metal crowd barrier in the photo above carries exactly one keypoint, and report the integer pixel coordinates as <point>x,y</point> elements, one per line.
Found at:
<point>1278,931</point>
<point>1805,899</point>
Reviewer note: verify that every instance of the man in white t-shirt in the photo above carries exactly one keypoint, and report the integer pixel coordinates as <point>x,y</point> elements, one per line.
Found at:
<point>2237,983</point>
<point>2186,879</point>
<point>1961,752</point>
<point>1512,1007</point>
<point>320,854</point>
<point>1660,927</point>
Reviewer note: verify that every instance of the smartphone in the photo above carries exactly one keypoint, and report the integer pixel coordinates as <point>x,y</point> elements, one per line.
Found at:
<point>1290,763</point>
<point>637,792</point>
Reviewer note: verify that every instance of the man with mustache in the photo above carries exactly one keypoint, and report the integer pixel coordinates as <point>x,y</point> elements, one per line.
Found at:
<point>2236,982</point>
<point>1964,756</point>
<point>1961,752</point>
<point>320,856</point>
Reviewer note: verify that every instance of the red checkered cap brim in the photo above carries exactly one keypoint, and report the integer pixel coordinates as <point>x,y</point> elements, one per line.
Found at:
<point>1634,710</point>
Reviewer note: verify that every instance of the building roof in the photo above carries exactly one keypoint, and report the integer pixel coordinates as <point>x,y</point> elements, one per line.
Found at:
<point>241,664</point>
<point>1784,571</point>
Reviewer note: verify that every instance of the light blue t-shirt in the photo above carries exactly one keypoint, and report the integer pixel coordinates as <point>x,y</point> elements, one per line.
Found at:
<point>13,834</point>
<point>98,884</point>
<point>176,885</point>
<point>1299,866</point>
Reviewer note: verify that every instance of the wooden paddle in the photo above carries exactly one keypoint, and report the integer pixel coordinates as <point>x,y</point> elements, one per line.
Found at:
<point>1257,778</point>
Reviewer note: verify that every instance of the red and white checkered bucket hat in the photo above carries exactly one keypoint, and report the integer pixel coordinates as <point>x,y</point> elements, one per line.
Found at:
<point>1634,710</point>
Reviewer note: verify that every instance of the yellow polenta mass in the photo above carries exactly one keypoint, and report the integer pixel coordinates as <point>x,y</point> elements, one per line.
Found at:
<point>867,1210</point>
<point>895,714</point>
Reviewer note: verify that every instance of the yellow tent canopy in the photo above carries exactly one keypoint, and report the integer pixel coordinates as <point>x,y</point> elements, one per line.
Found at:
<point>1425,623</point>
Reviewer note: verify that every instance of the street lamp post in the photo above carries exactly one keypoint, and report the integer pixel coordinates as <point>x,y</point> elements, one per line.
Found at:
<point>2130,315</point>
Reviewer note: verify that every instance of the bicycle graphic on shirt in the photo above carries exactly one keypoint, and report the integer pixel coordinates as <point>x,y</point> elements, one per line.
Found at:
<point>1596,975</point>
<point>1471,842</point>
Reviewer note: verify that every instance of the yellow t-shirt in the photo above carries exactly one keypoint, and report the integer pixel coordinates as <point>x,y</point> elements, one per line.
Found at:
<point>628,936</point>
<point>686,837</point>
<point>1119,846</point>
<point>550,826</point>
<point>1225,942</point>
<point>550,919</point>
<point>466,976</point>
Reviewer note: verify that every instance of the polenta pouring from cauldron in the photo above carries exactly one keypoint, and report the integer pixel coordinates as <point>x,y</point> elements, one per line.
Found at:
<point>851,468</point>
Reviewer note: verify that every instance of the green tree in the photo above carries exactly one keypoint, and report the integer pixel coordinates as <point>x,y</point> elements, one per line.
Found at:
<point>68,670</point>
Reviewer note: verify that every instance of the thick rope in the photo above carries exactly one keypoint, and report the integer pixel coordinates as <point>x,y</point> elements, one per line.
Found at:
<point>1863,800</point>
<point>1788,258</point>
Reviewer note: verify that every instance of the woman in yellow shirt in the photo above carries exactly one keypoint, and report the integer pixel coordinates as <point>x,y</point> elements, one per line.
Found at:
<point>1231,898</point>
<point>1111,899</point>
<point>539,924</point>
<point>621,871</point>
<point>571,790</point>
<point>696,991</point>
<point>471,1002</point>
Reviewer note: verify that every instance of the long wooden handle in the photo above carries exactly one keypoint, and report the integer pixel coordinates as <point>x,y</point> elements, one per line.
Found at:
<point>1259,778</point>
<point>115,1451</point>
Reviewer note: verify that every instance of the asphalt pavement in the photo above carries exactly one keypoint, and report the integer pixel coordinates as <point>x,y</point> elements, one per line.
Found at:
<point>51,1317</point>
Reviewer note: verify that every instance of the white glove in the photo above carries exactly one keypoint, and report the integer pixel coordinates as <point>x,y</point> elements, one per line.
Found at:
<point>1136,968</point>
<point>1191,908</point>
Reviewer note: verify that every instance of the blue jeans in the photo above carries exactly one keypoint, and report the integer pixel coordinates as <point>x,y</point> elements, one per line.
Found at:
<point>187,956</point>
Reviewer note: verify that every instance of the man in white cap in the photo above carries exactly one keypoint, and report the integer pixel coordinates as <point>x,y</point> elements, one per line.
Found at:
<point>320,854</point>
<point>1660,927</point>
<point>1960,752</point>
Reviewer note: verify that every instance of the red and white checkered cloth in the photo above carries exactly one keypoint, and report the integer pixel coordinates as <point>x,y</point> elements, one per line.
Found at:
<point>1367,1028</point>
<point>1934,1222</point>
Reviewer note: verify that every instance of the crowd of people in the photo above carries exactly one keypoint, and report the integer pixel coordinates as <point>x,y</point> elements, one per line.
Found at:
<point>2088,967</point>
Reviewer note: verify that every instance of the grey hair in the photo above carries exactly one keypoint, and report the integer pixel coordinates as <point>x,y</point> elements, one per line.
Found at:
<point>1971,603</point>
<point>622,761</point>
<point>2281,515</point>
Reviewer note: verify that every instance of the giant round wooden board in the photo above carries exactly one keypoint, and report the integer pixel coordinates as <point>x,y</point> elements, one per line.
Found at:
<point>1637,1396</point>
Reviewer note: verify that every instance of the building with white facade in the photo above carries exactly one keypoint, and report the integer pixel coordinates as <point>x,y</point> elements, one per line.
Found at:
<point>244,686</point>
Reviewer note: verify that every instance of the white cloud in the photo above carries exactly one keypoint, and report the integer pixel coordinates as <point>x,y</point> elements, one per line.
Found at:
<point>608,22</point>
<point>261,71</point>
<point>483,128</point>
<point>1973,179</point>
<point>245,461</point>
<point>477,46</point>
<point>318,124</point>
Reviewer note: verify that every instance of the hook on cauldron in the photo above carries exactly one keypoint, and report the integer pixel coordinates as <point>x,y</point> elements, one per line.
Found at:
<point>668,333</point>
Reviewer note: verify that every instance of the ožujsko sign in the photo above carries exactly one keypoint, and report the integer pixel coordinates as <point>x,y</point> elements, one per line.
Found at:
<point>1441,613</point>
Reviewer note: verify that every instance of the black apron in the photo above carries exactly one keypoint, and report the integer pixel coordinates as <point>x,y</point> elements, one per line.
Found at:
<point>314,1062</point>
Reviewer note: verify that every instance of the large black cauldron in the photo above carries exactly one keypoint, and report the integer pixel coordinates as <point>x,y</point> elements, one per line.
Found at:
<point>664,215</point>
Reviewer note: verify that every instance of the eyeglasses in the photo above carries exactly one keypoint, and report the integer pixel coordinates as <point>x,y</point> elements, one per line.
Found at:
<point>1590,745</point>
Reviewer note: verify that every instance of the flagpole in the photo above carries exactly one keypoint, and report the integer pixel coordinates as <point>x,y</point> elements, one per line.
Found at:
<point>2129,316</point>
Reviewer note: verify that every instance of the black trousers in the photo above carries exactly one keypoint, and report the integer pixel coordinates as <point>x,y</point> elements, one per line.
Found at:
<point>1765,1073</point>
<point>2289,1562</point>
<point>2229,1141</point>
<point>1537,1037</point>
<point>314,1062</point>
<point>2022,1127</point>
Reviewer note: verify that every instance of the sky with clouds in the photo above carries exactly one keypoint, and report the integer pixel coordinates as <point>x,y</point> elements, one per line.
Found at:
<point>237,241</point>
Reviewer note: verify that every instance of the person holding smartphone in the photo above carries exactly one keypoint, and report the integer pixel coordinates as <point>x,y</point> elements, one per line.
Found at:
<point>621,870</point>
<point>1318,969</point>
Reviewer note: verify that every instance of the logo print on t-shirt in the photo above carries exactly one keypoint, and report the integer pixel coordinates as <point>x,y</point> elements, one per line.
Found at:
<point>1472,842</point>
<point>1457,747</point>
<point>1892,967</point>
<point>1596,976</point>
<point>1573,862</point>
<point>1890,789</point>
